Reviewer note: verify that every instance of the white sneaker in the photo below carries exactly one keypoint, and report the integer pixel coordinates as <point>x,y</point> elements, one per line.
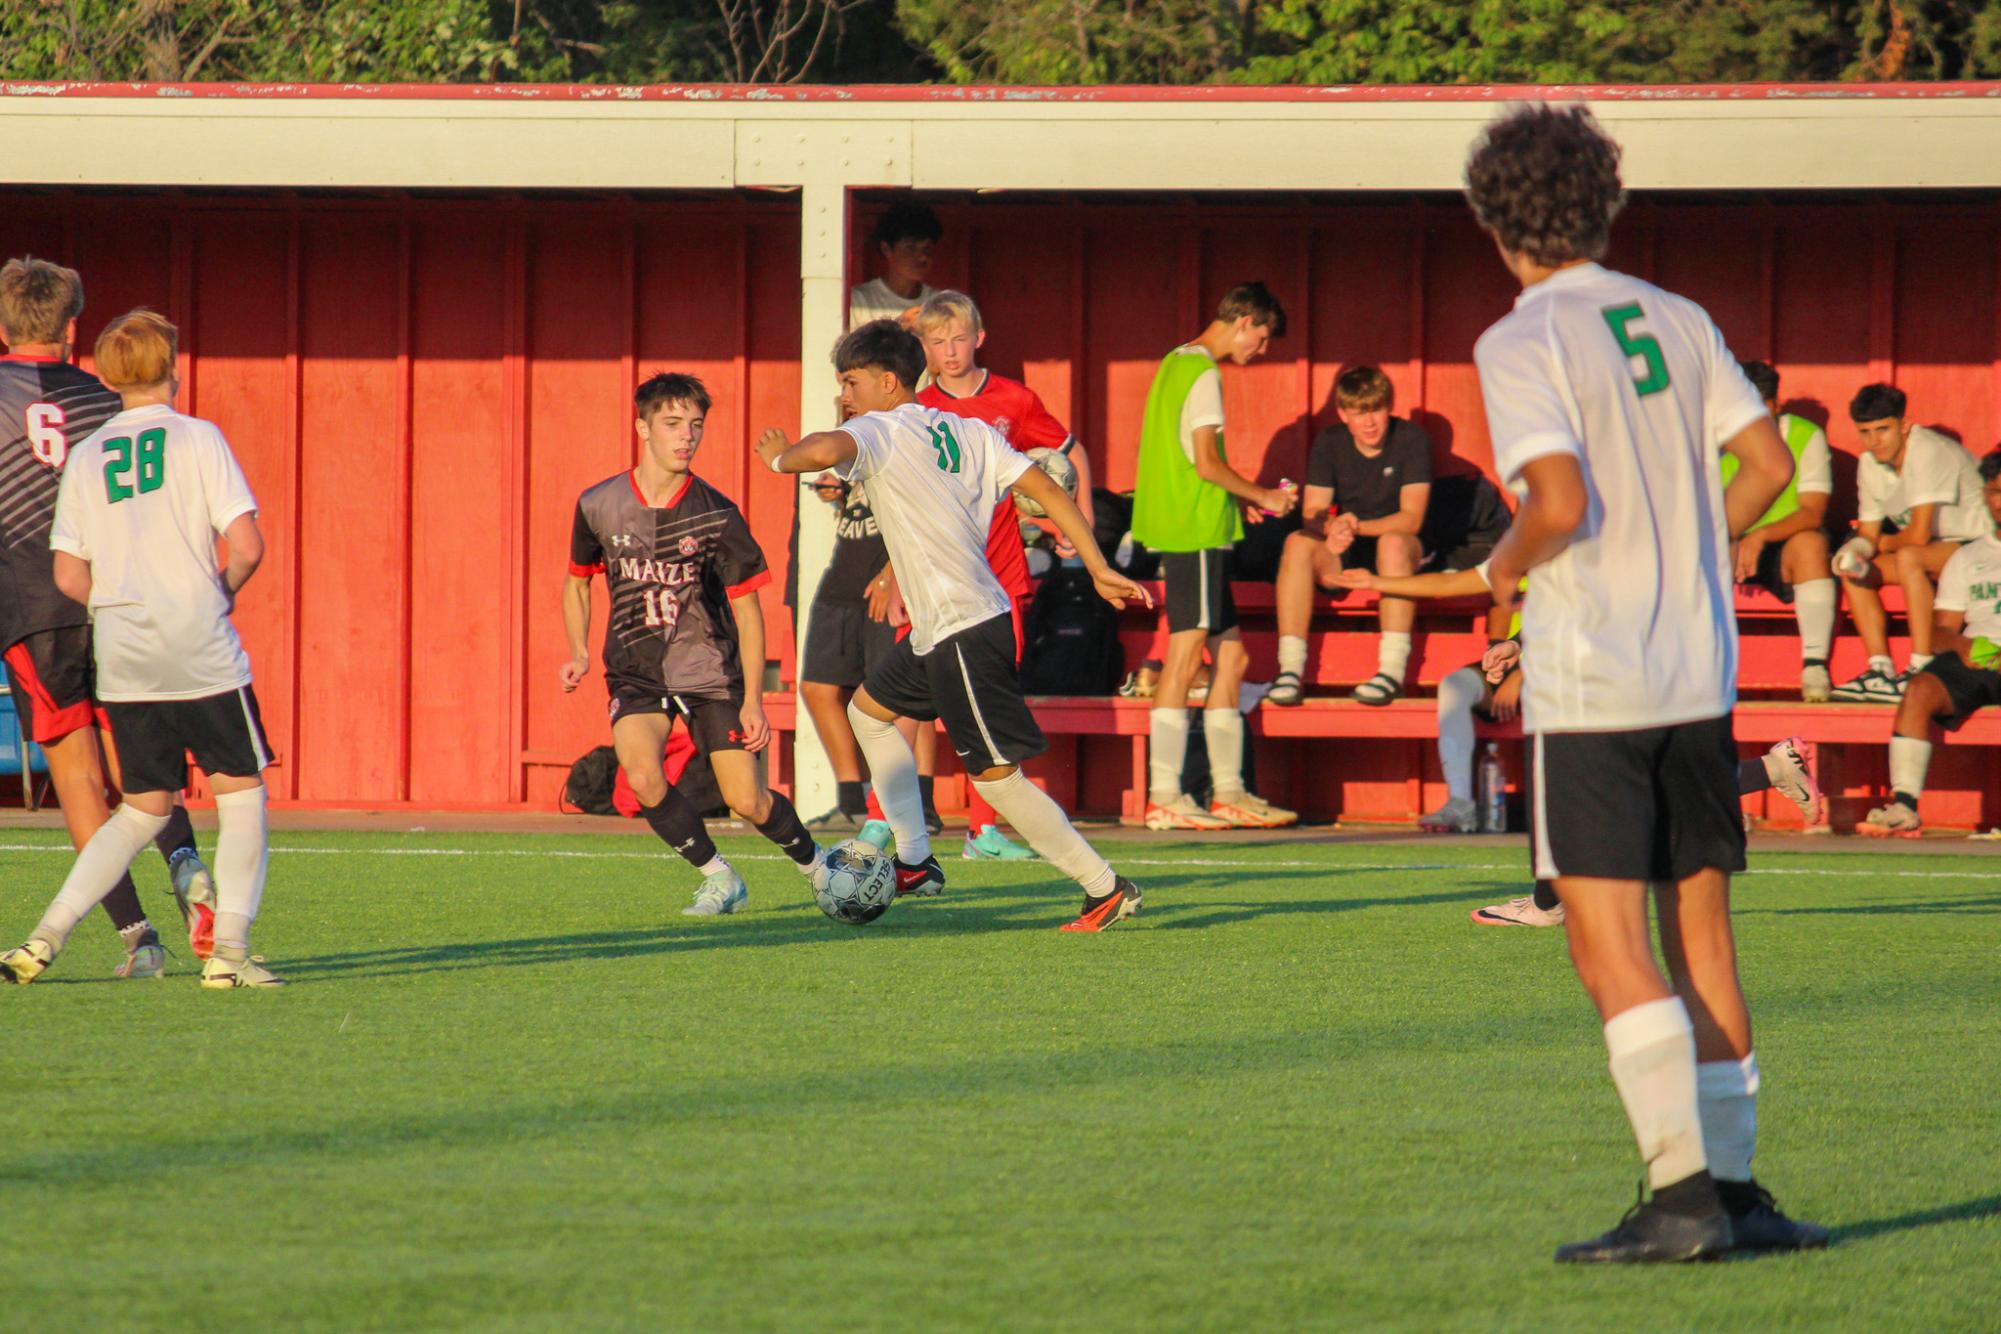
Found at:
<point>24,963</point>
<point>1893,821</point>
<point>1518,912</point>
<point>721,894</point>
<point>1872,687</point>
<point>1816,686</point>
<point>1183,813</point>
<point>1247,810</point>
<point>1456,816</point>
<point>220,974</point>
<point>1790,767</point>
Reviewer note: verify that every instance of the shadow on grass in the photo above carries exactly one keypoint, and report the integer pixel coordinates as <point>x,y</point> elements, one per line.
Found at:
<point>1979,907</point>
<point>1987,1206</point>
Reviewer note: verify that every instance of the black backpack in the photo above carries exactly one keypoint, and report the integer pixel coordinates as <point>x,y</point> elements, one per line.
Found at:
<point>1072,639</point>
<point>591,778</point>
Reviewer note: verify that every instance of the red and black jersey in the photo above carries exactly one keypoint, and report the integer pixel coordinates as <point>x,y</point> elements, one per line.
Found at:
<point>672,570</point>
<point>1017,412</point>
<point>47,407</point>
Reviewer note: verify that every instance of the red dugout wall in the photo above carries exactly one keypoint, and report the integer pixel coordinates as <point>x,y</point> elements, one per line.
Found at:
<point>418,388</point>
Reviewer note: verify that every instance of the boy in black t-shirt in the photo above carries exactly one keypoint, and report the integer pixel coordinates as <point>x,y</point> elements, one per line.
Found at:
<point>686,637</point>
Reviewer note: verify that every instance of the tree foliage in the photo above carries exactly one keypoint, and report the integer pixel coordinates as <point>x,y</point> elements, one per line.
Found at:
<point>1001,41</point>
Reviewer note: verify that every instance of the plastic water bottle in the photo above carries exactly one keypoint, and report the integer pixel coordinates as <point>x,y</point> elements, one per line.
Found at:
<point>1493,791</point>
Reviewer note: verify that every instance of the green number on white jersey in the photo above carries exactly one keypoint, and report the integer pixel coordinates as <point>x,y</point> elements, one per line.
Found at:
<point>150,455</point>
<point>1642,345</point>
<point>947,446</point>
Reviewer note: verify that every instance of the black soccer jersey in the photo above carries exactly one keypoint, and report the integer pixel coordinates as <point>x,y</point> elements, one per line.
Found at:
<point>47,407</point>
<point>672,571</point>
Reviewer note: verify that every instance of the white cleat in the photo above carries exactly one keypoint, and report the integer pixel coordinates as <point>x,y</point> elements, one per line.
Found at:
<point>24,963</point>
<point>1518,912</point>
<point>220,974</point>
<point>1456,816</point>
<point>1816,686</point>
<point>145,961</point>
<point>1893,821</point>
<point>721,894</point>
<point>1790,767</point>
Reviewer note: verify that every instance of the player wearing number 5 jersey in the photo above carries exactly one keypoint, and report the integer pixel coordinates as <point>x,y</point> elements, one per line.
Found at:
<point>47,407</point>
<point>686,636</point>
<point>1608,400</point>
<point>141,503</point>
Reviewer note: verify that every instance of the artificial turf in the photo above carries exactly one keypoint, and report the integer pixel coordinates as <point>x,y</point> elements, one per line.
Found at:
<point>510,1087</point>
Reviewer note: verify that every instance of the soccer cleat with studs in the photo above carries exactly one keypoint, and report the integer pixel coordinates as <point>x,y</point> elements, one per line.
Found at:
<point>989,844</point>
<point>194,895</point>
<point>1649,1234</point>
<point>1758,1224</point>
<point>220,974</point>
<point>1247,810</point>
<point>1517,912</point>
<point>143,961</point>
<point>26,962</point>
<point>1790,767</point>
<point>720,895</point>
<point>1184,813</point>
<point>1108,910</point>
<point>1895,820</point>
<point>926,880</point>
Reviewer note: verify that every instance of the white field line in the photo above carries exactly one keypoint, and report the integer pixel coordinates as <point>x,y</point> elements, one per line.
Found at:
<point>1519,865</point>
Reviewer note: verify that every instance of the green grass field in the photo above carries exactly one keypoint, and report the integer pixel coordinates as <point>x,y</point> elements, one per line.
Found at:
<point>512,1088</point>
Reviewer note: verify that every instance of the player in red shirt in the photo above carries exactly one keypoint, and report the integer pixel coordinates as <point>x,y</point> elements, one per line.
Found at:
<point>949,325</point>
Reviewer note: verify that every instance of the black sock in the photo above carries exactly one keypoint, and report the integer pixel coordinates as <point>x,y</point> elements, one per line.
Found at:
<point>1545,895</point>
<point>1813,662</point>
<point>854,797</point>
<point>121,905</point>
<point>1694,1196</point>
<point>1739,1197</point>
<point>680,827</point>
<point>784,828</point>
<point>1905,799</point>
<point>178,837</point>
<point>1751,776</point>
<point>925,783</point>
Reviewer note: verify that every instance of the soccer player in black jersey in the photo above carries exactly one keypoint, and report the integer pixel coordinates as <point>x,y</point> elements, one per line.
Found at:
<point>47,406</point>
<point>686,636</point>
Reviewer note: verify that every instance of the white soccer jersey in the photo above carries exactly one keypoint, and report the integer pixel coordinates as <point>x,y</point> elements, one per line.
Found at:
<point>933,482</point>
<point>1816,461</point>
<point>142,500</point>
<point>1937,472</point>
<point>1971,583</point>
<point>1634,624</point>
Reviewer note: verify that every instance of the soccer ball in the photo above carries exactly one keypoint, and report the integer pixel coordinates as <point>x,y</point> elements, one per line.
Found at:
<point>861,884</point>
<point>1061,471</point>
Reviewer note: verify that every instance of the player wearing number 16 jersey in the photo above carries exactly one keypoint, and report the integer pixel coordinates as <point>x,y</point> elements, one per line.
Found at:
<point>686,636</point>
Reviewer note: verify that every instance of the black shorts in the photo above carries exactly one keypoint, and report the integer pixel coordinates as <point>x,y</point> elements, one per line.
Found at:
<point>1770,575</point>
<point>51,675</point>
<point>1660,803</point>
<point>1198,591</point>
<point>153,738</point>
<point>970,682</point>
<point>1463,556</point>
<point>1969,688</point>
<point>715,723</point>
<point>844,643</point>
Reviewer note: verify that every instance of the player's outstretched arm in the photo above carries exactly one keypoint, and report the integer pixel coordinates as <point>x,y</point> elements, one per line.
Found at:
<point>1446,584</point>
<point>577,627</point>
<point>750,655</point>
<point>1062,511</point>
<point>822,449</point>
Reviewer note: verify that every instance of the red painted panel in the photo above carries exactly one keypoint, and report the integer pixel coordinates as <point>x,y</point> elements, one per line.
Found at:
<point>1944,333</point>
<point>1265,401</point>
<point>351,540</point>
<point>771,376</point>
<point>1134,315</point>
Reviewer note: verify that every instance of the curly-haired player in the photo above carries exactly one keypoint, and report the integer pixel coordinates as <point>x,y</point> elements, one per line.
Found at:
<point>1608,400</point>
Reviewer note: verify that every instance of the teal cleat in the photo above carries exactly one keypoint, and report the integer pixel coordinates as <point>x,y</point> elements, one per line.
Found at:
<point>991,845</point>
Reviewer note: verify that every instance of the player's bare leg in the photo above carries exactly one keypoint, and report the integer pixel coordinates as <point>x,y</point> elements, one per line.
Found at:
<point>101,864</point>
<point>1925,700</point>
<point>772,813</point>
<point>1396,554</point>
<point>827,705</point>
<point>1701,956</point>
<point>192,885</point>
<point>1651,1042</point>
<point>1304,565</point>
<point>77,772</point>
<point>1878,683</point>
<point>1917,571</point>
<point>640,740</point>
<point>893,764</point>
<point>1167,806</point>
<point>1109,898</point>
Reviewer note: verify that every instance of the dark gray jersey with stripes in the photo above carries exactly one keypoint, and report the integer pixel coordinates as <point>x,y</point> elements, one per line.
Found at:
<point>672,570</point>
<point>47,408</point>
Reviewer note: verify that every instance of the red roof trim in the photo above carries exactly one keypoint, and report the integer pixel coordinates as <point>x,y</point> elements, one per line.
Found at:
<point>953,93</point>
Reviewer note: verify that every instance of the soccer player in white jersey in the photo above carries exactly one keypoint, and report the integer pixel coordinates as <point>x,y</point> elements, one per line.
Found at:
<point>1608,399</point>
<point>142,500</point>
<point>1964,674</point>
<point>934,479</point>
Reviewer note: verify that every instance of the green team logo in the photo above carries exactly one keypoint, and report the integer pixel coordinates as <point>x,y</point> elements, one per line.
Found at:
<point>122,457</point>
<point>947,446</point>
<point>1641,345</point>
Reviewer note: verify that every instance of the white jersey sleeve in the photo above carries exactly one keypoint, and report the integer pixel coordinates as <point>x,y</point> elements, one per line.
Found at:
<point>1955,578</point>
<point>223,482</point>
<point>1731,400</point>
<point>70,524</point>
<point>872,445</point>
<point>1203,407</point>
<point>1931,472</point>
<point>1872,483</point>
<point>1007,462</point>
<point>1527,417</point>
<point>1816,467</point>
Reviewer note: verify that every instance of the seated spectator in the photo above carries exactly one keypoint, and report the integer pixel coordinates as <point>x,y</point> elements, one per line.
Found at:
<point>1785,552</point>
<point>904,237</point>
<point>1930,489</point>
<point>1367,506</point>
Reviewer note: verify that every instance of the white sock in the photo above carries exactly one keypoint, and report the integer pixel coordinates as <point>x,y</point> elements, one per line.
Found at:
<point>1457,694</point>
<point>715,865</point>
<point>1919,660</point>
<point>1909,759</point>
<point>893,767</point>
<point>1044,827</point>
<point>1292,654</point>
<point>242,853</point>
<point>1652,1047</point>
<point>106,857</point>
<point>1393,654</point>
<point>1881,663</point>
<point>1167,730</point>
<point>1223,733</point>
<point>1728,1093</point>
<point>1814,605</point>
